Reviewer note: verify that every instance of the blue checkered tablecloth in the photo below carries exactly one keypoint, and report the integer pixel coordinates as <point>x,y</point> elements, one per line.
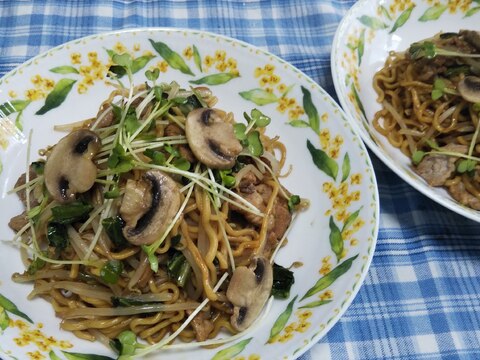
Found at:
<point>421,297</point>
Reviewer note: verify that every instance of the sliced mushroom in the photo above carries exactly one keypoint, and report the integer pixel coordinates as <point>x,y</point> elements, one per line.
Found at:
<point>469,88</point>
<point>69,169</point>
<point>472,37</point>
<point>156,200</point>
<point>211,138</point>
<point>249,290</point>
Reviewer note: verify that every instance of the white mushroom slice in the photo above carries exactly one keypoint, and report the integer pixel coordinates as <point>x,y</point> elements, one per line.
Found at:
<point>211,138</point>
<point>249,290</point>
<point>469,88</point>
<point>150,223</point>
<point>69,169</point>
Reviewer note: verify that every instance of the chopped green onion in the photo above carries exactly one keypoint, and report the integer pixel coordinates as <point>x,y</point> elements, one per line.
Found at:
<point>57,235</point>
<point>283,280</point>
<point>38,167</point>
<point>111,271</point>
<point>255,146</point>
<point>158,158</point>
<point>178,268</point>
<point>418,156</point>
<point>466,165</point>
<point>240,131</point>
<point>293,201</point>
<point>35,265</point>
<point>70,213</point>
<point>113,227</point>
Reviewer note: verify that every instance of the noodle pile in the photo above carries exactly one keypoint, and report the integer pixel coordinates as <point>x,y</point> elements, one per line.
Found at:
<point>101,285</point>
<point>430,110</point>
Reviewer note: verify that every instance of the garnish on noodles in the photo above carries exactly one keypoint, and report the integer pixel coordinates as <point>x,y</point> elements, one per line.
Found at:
<point>158,218</point>
<point>430,97</point>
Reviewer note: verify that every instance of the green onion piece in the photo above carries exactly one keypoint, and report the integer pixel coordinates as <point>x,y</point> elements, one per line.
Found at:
<point>255,146</point>
<point>110,272</point>
<point>175,240</point>
<point>466,165</point>
<point>191,104</point>
<point>283,280</point>
<point>70,213</point>
<point>260,119</point>
<point>152,75</point>
<point>240,131</point>
<point>293,201</point>
<point>124,60</point>
<point>418,156</point>
<point>178,268</point>
<point>113,227</point>
<point>172,150</point>
<point>125,343</point>
<point>158,158</point>
<point>181,163</point>
<point>119,161</point>
<point>113,193</point>
<point>35,265</point>
<point>38,167</point>
<point>57,235</point>
<point>227,178</point>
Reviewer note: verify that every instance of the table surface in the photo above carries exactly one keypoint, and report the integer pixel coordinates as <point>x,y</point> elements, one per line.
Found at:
<point>420,299</point>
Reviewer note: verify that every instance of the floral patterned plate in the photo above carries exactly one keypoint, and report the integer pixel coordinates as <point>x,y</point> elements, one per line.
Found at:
<point>334,239</point>
<point>362,42</point>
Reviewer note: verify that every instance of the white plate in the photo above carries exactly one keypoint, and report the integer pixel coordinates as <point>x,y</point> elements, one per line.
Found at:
<point>362,42</point>
<point>354,197</point>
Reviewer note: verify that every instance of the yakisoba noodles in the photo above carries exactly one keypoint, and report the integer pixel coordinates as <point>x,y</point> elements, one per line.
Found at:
<point>430,97</point>
<point>159,217</point>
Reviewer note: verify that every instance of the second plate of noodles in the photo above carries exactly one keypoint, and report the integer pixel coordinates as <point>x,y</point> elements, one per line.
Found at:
<point>396,69</point>
<point>430,97</point>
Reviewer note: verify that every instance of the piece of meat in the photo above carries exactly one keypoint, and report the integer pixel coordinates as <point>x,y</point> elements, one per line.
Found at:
<point>437,168</point>
<point>461,194</point>
<point>16,223</point>
<point>108,117</point>
<point>256,200</point>
<point>278,220</point>
<point>175,130</point>
<point>248,182</point>
<point>202,326</point>
<point>282,219</point>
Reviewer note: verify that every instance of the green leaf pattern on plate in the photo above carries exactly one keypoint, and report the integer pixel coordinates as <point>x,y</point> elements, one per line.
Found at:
<point>336,239</point>
<point>9,306</point>
<point>215,79</point>
<point>402,19</point>
<point>322,161</point>
<point>57,96</point>
<point>259,96</point>
<point>171,57</point>
<point>282,320</point>
<point>372,22</point>
<point>433,13</point>
<point>230,352</point>
<point>327,280</point>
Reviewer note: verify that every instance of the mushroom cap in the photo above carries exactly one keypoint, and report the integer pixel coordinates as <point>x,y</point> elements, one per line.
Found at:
<point>469,88</point>
<point>152,221</point>
<point>249,290</point>
<point>69,168</point>
<point>212,139</point>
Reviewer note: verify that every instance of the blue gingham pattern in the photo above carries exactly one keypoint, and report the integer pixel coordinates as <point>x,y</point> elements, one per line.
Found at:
<point>420,299</point>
